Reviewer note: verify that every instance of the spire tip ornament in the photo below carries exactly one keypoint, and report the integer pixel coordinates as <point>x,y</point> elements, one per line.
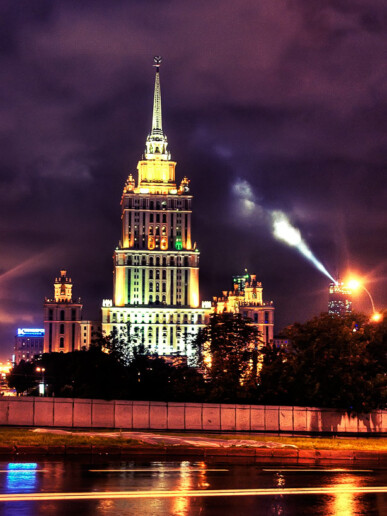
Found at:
<point>156,142</point>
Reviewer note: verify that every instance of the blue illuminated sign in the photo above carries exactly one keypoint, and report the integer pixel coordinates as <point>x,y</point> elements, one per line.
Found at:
<point>30,332</point>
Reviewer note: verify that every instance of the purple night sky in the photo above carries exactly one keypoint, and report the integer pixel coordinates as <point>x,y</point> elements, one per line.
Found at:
<point>289,96</point>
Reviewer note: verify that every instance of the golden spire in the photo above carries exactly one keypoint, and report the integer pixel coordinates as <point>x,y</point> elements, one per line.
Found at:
<point>156,142</point>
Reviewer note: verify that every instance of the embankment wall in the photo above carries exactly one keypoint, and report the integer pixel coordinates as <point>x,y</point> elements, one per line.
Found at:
<point>152,415</point>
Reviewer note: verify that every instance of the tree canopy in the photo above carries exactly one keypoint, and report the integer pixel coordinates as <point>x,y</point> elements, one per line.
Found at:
<point>331,361</point>
<point>228,355</point>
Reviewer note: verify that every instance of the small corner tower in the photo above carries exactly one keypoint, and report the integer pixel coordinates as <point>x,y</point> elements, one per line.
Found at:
<point>62,317</point>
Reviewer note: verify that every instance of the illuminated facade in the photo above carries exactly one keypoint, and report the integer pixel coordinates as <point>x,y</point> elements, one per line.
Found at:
<point>249,303</point>
<point>156,264</point>
<point>340,299</point>
<point>28,344</point>
<point>65,331</point>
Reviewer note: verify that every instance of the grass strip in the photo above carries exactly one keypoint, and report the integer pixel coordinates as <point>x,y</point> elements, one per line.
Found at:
<point>25,437</point>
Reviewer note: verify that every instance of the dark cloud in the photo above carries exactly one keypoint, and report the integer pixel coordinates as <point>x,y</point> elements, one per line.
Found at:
<point>289,96</point>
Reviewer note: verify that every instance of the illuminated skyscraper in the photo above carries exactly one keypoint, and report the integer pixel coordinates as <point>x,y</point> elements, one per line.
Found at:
<point>156,265</point>
<point>340,299</point>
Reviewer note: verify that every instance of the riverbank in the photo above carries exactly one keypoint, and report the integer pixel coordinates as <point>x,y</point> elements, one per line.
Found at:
<point>258,447</point>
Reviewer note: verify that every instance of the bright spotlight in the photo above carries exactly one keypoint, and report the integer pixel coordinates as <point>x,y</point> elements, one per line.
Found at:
<point>354,284</point>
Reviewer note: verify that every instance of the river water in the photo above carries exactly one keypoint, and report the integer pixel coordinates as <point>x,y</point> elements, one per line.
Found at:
<point>147,488</point>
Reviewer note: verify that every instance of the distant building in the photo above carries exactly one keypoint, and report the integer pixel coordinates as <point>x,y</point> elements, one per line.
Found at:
<point>280,342</point>
<point>248,302</point>
<point>340,299</point>
<point>65,331</point>
<point>29,343</point>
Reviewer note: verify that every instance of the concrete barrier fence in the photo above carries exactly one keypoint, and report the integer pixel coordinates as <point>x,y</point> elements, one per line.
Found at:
<point>153,415</point>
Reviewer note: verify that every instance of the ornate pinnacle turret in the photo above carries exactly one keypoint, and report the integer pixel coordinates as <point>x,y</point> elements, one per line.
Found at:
<point>156,142</point>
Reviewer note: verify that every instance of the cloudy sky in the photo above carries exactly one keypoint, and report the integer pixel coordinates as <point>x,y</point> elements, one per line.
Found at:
<point>287,97</point>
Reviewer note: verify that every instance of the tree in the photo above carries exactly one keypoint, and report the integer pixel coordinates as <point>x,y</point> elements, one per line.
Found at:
<point>22,377</point>
<point>123,345</point>
<point>332,361</point>
<point>228,356</point>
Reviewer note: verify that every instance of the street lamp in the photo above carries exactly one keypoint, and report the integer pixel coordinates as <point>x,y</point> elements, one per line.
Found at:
<point>354,284</point>
<point>41,384</point>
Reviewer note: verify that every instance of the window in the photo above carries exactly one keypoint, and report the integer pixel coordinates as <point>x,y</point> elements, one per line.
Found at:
<point>62,315</point>
<point>266,317</point>
<point>61,343</point>
<point>73,314</point>
<point>150,274</point>
<point>164,274</point>
<point>61,329</point>
<point>50,314</point>
<point>255,317</point>
<point>164,217</point>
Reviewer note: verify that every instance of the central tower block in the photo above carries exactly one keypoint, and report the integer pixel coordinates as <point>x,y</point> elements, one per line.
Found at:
<point>156,264</point>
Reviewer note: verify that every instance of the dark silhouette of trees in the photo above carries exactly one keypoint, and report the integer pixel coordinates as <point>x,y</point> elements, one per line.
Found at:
<point>332,361</point>
<point>228,356</point>
<point>335,362</point>
<point>23,377</point>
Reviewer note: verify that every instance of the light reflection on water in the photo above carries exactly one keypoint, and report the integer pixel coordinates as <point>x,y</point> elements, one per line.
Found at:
<point>344,504</point>
<point>67,476</point>
<point>21,477</point>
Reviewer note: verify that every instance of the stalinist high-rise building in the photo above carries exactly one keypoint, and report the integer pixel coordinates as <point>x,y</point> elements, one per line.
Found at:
<point>156,264</point>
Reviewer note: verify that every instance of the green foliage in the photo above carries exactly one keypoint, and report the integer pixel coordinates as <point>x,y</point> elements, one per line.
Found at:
<point>233,345</point>
<point>332,361</point>
<point>23,377</point>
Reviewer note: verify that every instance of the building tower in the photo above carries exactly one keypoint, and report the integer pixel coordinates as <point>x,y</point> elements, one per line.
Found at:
<point>340,299</point>
<point>246,299</point>
<point>62,316</point>
<point>156,266</point>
